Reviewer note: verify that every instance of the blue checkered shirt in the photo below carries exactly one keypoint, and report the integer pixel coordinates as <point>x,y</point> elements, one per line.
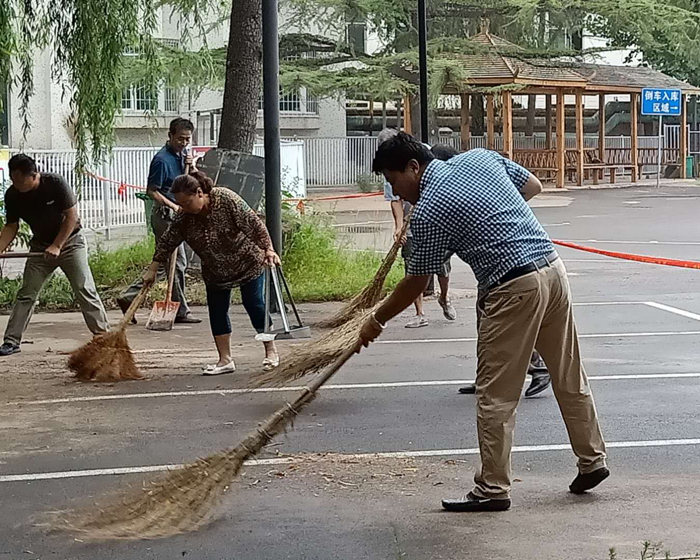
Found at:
<point>472,205</point>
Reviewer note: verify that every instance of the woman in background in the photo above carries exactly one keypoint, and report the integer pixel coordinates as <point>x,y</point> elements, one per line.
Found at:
<point>234,247</point>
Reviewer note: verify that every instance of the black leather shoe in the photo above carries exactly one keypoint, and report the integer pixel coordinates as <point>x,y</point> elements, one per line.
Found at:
<point>588,481</point>
<point>188,319</point>
<point>124,306</point>
<point>540,382</point>
<point>468,389</point>
<point>472,503</point>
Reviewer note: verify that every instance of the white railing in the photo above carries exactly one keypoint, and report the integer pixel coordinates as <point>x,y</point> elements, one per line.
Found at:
<point>107,195</point>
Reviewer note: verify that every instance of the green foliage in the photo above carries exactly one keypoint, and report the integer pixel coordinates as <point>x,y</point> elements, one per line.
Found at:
<point>318,270</point>
<point>368,184</point>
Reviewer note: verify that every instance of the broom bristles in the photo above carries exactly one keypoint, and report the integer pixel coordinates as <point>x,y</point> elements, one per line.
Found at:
<point>313,356</point>
<point>185,498</point>
<point>368,297</point>
<point>107,357</point>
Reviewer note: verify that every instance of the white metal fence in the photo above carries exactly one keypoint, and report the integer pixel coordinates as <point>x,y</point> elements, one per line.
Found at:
<point>316,162</point>
<point>346,161</point>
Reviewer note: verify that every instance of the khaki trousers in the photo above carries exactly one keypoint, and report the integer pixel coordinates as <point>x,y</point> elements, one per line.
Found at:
<point>533,311</point>
<point>73,261</point>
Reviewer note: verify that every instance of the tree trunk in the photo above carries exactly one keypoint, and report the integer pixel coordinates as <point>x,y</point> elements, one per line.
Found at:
<point>243,77</point>
<point>531,114</point>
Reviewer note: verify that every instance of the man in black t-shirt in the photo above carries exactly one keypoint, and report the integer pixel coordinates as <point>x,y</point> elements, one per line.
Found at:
<point>46,202</point>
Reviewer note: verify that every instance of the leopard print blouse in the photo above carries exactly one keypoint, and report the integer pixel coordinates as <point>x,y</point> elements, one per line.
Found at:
<point>231,240</point>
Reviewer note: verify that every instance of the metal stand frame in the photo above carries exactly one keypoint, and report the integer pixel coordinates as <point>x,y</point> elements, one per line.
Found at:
<point>273,285</point>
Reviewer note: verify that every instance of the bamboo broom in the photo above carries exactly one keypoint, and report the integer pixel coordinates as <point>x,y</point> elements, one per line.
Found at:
<point>186,498</point>
<point>107,357</point>
<point>371,294</point>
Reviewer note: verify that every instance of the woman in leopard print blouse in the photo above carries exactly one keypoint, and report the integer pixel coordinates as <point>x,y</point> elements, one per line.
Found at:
<point>234,247</point>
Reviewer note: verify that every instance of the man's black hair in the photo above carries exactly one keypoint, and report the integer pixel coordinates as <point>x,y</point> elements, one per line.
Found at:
<point>395,153</point>
<point>444,152</point>
<point>22,163</point>
<point>180,124</point>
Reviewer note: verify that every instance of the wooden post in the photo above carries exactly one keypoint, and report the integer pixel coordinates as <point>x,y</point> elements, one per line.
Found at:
<point>602,120</point>
<point>561,141</point>
<point>548,122</point>
<point>508,124</point>
<point>371,117</point>
<point>490,123</point>
<point>684,136</point>
<point>634,143</point>
<point>407,115</point>
<point>465,122</point>
<point>383,114</point>
<point>579,138</point>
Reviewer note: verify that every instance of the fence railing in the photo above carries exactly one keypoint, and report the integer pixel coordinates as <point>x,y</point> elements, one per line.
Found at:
<point>316,162</point>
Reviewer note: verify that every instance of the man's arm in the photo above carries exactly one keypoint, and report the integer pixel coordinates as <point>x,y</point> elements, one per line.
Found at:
<point>70,222</point>
<point>158,197</point>
<point>403,296</point>
<point>156,177</point>
<point>531,188</point>
<point>7,236</point>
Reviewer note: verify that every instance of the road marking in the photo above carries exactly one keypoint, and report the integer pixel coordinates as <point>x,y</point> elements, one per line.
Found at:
<point>29,477</point>
<point>674,310</point>
<point>332,387</point>
<point>601,335</point>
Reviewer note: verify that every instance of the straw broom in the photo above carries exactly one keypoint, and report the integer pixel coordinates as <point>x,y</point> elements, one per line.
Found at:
<point>370,295</point>
<point>185,499</point>
<point>107,357</point>
<point>313,356</point>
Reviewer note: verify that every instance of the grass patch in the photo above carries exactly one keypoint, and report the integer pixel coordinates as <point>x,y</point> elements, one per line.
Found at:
<point>316,269</point>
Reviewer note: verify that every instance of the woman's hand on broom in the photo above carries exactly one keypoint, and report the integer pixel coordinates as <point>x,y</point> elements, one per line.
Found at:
<point>272,258</point>
<point>149,277</point>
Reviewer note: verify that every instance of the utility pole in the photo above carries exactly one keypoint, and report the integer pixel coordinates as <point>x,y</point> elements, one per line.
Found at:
<point>271,117</point>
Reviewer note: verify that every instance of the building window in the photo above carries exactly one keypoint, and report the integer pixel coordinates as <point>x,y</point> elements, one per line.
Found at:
<point>295,102</point>
<point>355,36</point>
<point>170,99</point>
<point>146,98</point>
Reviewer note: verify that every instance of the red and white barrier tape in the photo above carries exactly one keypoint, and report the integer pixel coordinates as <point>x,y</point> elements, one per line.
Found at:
<point>630,256</point>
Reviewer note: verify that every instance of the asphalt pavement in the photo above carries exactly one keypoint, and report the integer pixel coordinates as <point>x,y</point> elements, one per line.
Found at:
<point>323,493</point>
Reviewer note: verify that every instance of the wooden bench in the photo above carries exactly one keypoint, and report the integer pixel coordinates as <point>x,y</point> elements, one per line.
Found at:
<point>592,164</point>
<point>541,163</point>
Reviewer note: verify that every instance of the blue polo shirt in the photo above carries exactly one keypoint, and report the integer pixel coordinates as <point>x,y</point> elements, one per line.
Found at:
<point>165,166</point>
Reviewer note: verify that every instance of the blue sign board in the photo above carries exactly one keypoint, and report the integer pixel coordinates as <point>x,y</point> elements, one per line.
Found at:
<point>661,102</point>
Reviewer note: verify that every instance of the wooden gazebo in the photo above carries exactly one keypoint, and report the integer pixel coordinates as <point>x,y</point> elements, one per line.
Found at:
<point>510,75</point>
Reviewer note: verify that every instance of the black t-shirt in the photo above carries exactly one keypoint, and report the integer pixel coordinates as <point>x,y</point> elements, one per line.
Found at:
<point>42,208</point>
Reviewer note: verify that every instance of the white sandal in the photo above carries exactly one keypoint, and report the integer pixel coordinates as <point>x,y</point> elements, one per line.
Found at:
<point>219,370</point>
<point>269,363</point>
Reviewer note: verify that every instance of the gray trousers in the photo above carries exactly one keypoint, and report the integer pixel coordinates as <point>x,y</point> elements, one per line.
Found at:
<point>160,220</point>
<point>73,261</point>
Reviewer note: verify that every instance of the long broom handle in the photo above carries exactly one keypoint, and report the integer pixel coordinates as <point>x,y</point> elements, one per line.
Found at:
<point>19,255</point>
<point>134,307</point>
<point>171,276</point>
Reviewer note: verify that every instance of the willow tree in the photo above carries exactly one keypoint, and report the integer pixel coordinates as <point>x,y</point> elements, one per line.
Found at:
<point>87,39</point>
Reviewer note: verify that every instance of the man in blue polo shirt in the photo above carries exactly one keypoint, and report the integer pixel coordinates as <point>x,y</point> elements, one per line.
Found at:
<point>171,161</point>
<point>475,206</point>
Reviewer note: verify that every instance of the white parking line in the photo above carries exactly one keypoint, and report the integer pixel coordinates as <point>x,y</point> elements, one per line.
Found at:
<point>332,387</point>
<point>29,477</point>
<point>600,335</point>
<point>674,310</point>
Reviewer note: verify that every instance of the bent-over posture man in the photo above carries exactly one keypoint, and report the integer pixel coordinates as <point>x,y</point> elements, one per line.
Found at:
<point>46,202</point>
<point>474,205</point>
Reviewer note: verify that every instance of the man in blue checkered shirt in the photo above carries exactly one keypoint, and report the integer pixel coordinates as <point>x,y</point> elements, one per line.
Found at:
<point>475,206</point>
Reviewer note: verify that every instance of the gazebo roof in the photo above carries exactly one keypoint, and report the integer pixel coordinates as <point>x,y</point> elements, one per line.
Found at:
<point>493,68</point>
<point>609,78</point>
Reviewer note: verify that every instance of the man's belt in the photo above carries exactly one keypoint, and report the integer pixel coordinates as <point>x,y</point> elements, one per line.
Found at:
<point>519,271</point>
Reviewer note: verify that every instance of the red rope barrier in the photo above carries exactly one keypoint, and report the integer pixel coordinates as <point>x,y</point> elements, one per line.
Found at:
<point>630,256</point>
